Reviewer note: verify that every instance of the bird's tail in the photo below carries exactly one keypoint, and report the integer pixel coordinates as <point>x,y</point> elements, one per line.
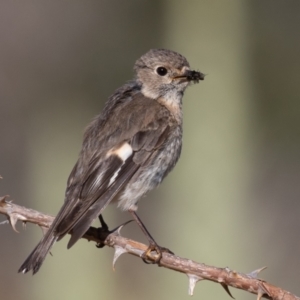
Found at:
<point>37,256</point>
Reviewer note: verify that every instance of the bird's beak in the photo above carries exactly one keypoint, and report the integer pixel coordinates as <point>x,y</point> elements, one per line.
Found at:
<point>190,75</point>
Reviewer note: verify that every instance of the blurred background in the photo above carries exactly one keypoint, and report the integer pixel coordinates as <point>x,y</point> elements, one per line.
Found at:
<point>232,200</point>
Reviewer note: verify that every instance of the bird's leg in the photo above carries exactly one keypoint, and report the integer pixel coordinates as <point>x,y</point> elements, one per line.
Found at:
<point>153,246</point>
<point>104,232</point>
<point>104,226</point>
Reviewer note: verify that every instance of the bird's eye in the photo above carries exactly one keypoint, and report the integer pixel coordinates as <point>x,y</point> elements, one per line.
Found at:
<point>161,71</point>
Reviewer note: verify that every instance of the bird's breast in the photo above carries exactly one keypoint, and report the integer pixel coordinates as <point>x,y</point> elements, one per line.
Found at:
<point>163,160</point>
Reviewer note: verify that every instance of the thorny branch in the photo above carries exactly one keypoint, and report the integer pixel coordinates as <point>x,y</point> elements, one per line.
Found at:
<point>195,271</point>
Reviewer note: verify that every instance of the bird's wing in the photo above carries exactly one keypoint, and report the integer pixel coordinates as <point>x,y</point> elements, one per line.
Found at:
<point>106,174</point>
<point>106,181</point>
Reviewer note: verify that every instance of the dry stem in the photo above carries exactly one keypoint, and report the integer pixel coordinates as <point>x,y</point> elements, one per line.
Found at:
<point>195,271</point>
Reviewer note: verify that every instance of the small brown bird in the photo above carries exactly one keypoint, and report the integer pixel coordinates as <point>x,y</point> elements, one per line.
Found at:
<point>127,150</point>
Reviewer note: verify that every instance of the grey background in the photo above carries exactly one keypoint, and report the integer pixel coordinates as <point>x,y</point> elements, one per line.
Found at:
<point>233,199</point>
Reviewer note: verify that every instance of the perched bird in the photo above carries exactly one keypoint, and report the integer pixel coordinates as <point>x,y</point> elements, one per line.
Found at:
<point>127,150</point>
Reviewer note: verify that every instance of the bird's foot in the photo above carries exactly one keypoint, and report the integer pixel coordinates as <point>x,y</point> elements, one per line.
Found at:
<point>104,232</point>
<point>153,254</point>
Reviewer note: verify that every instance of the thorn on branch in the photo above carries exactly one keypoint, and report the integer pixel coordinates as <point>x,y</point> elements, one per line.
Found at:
<point>11,215</point>
<point>226,288</point>
<point>255,273</point>
<point>3,199</point>
<point>118,252</point>
<point>262,291</point>
<point>193,279</point>
<point>13,219</point>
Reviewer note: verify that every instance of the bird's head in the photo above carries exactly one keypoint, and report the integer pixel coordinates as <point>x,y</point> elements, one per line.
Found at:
<point>162,71</point>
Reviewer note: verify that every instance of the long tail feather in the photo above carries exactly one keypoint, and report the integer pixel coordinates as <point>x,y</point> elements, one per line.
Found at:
<point>38,255</point>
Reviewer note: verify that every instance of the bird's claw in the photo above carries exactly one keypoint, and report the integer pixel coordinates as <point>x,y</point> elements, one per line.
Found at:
<point>104,232</point>
<point>150,258</point>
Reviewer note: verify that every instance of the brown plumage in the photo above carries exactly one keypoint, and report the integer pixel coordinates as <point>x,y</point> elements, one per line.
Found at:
<point>127,150</point>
